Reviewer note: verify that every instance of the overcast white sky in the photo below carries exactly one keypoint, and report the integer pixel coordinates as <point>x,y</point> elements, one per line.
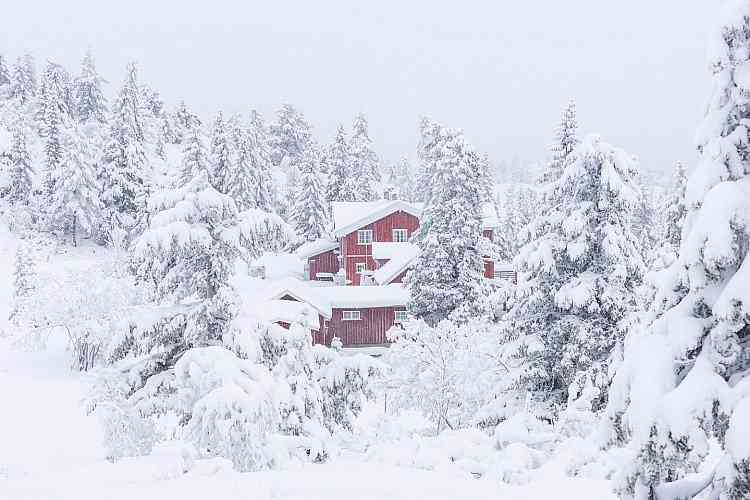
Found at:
<point>500,70</point>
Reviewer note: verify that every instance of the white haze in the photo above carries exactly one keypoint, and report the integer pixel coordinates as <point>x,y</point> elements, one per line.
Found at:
<point>502,71</point>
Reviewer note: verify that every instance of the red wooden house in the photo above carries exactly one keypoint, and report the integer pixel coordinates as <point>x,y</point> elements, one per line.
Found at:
<point>371,247</point>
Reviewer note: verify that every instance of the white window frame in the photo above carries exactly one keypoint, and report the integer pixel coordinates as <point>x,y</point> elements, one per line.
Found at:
<point>361,240</point>
<point>360,267</point>
<point>396,315</point>
<point>405,232</point>
<point>351,315</point>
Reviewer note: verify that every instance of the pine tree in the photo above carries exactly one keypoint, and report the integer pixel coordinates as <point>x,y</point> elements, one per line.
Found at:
<point>21,169</point>
<point>405,181</point>
<point>309,211</point>
<point>5,78</point>
<point>676,209</point>
<point>122,174</point>
<point>221,154</point>
<point>364,162</point>
<point>23,274</point>
<point>54,117</point>
<point>290,137</point>
<point>266,196</point>
<point>75,193</point>
<point>429,135</point>
<point>90,102</point>
<point>694,359</point>
<point>447,278</point>
<point>341,182</point>
<point>184,122</point>
<point>566,139</point>
<point>23,81</point>
<point>195,158</point>
<point>583,265</point>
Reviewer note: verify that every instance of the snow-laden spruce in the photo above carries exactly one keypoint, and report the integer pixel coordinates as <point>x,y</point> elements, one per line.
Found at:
<point>566,139</point>
<point>221,154</point>
<point>23,80</point>
<point>676,210</point>
<point>290,137</point>
<point>309,210</point>
<point>74,198</point>
<point>122,174</point>
<point>447,277</point>
<point>90,102</point>
<point>679,402</point>
<point>54,119</point>
<point>341,183</point>
<point>583,265</point>
<point>20,168</point>
<point>365,165</point>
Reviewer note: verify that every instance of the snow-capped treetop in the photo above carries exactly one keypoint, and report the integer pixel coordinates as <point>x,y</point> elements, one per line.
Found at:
<point>91,104</point>
<point>290,136</point>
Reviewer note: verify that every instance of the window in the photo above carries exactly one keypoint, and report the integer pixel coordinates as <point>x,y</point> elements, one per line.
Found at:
<point>364,237</point>
<point>400,235</point>
<point>351,316</point>
<point>401,316</point>
<point>361,267</point>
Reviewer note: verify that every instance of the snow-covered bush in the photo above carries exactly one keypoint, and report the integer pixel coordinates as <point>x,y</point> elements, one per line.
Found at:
<point>346,382</point>
<point>448,371</point>
<point>230,404</point>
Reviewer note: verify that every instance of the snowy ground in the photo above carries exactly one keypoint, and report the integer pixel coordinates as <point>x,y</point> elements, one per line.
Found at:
<point>49,450</point>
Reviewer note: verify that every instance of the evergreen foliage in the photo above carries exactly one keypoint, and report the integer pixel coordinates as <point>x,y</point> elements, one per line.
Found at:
<point>90,102</point>
<point>309,211</point>
<point>447,277</point>
<point>583,265</point>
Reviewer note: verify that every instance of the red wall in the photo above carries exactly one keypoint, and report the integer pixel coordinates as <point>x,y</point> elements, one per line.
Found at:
<point>489,269</point>
<point>327,262</point>
<point>488,233</point>
<point>370,330</point>
<point>382,230</point>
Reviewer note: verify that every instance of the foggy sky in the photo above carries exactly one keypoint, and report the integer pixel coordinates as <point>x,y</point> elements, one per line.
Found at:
<point>502,71</point>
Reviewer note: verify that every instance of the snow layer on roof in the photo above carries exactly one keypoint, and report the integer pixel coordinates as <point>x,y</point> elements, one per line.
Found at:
<point>301,291</point>
<point>399,261</point>
<point>280,265</point>
<point>348,216</point>
<point>489,216</point>
<point>317,247</point>
<point>384,250</point>
<point>288,311</point>
<point>357,297</point>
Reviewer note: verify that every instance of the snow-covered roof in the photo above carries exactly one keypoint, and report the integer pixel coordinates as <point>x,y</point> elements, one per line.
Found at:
<point>358,297</point>
<point>303,292</point>
<point>400,256</point>
<point>349,216</point>
<point>280,265</point>
<point>384,250</point>
<point>490,219</point>
<point>288,311</point>
<point>317,247</point>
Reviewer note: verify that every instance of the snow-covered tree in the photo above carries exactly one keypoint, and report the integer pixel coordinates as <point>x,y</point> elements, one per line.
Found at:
<point>309,211</point>
<point>583,266</point>
<point>74,202</point>
<point>90,102</point>
<point>54,119</point>
<point>221,154</point>
<point>21,171</point>
<point>266,197</point>
<point>680,401</point>
<point>341,182</point>
<point>195,158</point>
<point>23,81</point>
<point>290,137</point>
<point>566,139</point>
<point>5,77</point>
<point>184,121</point>
<point>429,136</point>
<point>364,162</point>
<point>23,272</point>
<point>676,209</point>
<point>447,277</point>
<point>122,174</point>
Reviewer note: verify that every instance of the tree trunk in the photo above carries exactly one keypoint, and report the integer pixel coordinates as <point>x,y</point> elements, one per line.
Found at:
<point>75,221</point>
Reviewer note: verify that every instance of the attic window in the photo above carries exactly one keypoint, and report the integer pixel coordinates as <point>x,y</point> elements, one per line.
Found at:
<point>400,235</point>
<point>364,237</point>
<point>351,316</point>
